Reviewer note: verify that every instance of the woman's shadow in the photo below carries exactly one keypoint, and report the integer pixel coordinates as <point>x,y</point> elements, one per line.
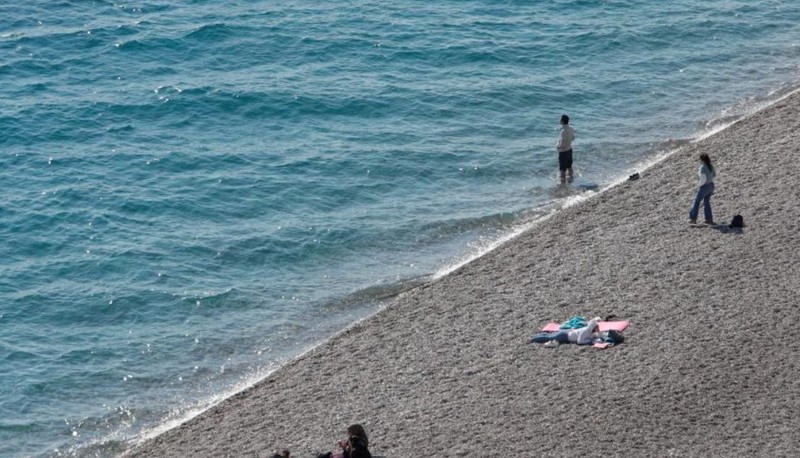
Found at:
<point>728,229</point>
<point>722,228</point>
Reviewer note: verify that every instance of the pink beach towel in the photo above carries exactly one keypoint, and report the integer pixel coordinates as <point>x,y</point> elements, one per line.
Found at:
<point>603,325</point>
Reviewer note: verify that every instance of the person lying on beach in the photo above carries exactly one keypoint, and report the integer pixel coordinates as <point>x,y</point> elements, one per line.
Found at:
<point>586,335</point>
<point>356,445</point>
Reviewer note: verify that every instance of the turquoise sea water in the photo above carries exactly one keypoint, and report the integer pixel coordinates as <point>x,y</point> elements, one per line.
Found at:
<point>193,192</point>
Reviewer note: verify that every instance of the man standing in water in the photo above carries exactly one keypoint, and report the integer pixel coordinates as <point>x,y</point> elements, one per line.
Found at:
<point>564,147</point>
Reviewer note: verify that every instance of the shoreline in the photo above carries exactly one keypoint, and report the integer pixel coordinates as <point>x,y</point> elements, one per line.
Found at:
<point>447,364</point>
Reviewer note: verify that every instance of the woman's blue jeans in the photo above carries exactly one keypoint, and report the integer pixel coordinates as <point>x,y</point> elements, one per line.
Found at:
<point>703,195</point>
<point>544,337</point>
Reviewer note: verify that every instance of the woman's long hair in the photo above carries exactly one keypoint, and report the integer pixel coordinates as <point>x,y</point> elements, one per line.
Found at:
<point>358,431</point>
<point>707,161</point>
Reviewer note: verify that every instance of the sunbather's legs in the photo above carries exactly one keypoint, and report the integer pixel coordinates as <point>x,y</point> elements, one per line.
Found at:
<point>559,336</point>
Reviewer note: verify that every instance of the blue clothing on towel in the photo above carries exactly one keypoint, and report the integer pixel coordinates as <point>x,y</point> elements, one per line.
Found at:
<point>574,322</point>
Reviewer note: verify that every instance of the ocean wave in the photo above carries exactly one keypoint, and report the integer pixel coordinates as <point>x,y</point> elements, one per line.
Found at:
<point>212,32</point>
<point>377,293</point>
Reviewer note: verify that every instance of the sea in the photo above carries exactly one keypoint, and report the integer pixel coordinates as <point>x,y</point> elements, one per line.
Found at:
<point>194,193</point>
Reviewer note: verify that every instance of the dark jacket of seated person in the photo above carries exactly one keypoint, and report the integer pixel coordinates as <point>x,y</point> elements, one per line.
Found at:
<point>358,448</point>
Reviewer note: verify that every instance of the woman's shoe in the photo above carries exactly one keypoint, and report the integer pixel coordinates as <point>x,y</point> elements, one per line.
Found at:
<point>709,222</point>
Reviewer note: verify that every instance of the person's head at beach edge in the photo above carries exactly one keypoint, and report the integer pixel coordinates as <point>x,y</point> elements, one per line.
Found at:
<point>705,159</point>
<point>357,431</point>
<point>564,120</point>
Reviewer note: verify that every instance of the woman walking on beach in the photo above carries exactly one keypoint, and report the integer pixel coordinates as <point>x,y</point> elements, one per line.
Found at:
<point>706,174</point>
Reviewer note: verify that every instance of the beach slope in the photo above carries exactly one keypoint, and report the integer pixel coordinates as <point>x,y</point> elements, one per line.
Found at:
<point>710,367</point>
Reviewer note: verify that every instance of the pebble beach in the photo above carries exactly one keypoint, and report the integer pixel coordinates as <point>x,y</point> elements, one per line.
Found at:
<point>709,366</point>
